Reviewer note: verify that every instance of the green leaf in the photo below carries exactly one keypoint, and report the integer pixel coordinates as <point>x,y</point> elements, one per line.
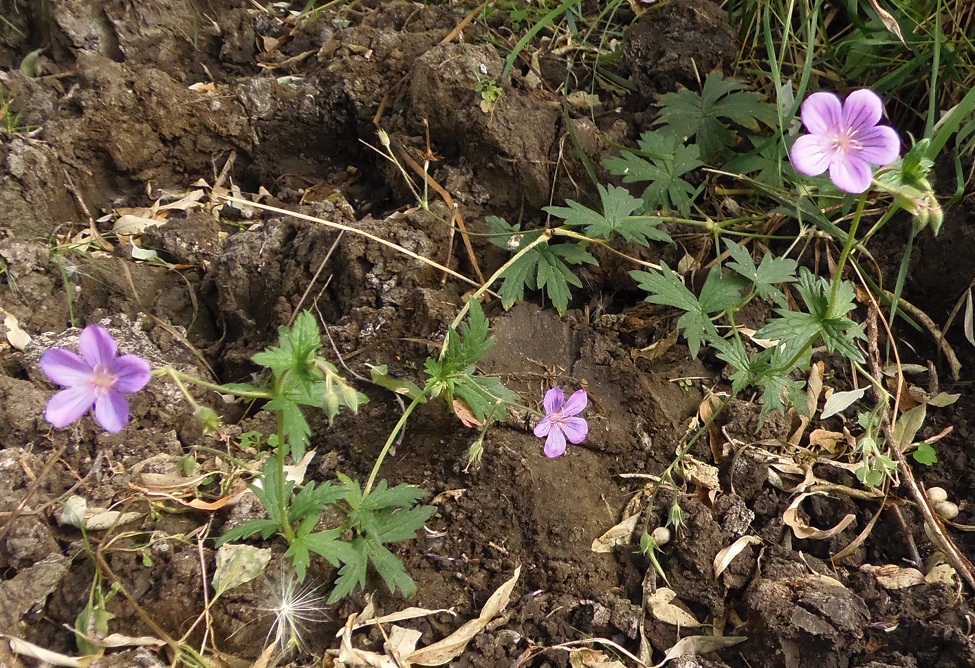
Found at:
<point>266,528</point>
<point>401,496</point>
<point>327,544</point>
<point>618,204</point>
<point>719,294</point>
<point>794,330</point>
<point>390,569</point>
<point>662,160</point>
<point>925,454</point>
<point>402,524</point>
<point>352,573</point>
<point>298,551</point>
<point>296,353</point>
<point>772,271</point>
<point>296,428</point>
<point>689,114</point>
<point>312,499</point>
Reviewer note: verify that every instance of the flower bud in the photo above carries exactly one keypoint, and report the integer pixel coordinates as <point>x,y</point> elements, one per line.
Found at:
<point>661,535</point>
<point>208,418</point>
<point>946,510</point>
<point>937,494</point>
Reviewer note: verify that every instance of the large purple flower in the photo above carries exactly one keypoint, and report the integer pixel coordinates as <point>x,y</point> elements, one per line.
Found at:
<point>845,139</point>
<point>559,423</point>
<point>97,378</point>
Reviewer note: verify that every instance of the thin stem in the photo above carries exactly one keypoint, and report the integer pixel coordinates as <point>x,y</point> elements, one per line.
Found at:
<point>544,237</point>
<point>177,376</point>
<point>390,440</point>
<point>847,248</point>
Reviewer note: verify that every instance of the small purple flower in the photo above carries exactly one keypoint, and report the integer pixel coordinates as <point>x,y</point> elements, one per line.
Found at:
<point>558,423</point>
<point>845,139</point>
<point>97,378</point>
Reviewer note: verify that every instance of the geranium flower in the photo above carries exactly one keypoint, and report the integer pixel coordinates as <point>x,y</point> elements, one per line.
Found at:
<point>559,425</point>
<point>97,378</point>
<point>845,139</point>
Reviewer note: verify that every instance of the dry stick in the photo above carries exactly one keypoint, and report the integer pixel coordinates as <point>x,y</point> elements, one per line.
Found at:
<point>932,328</point>
<point>464,23</point>
<point>318,272</point>
<point>354,230</point>
<point>936,529</point>
<point>454,208</point>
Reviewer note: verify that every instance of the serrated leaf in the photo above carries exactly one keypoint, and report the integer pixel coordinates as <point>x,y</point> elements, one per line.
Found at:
<point>618,205</point>
<point>352,573</point>
<point>266,528</point>
<point>390,569</point>
<point>327,544</point>
<point>401,496</point>
<point>402,524</point>
<point>772,271</point>
<point>662,160</point>
<point>689,114</point>
<point>312,499</point>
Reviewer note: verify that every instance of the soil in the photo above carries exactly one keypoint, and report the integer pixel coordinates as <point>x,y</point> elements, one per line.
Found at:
<point>114,120</point>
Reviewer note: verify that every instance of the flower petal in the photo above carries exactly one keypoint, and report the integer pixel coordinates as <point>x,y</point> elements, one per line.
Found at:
<point>544,427</point>
<point>112,411</point>
<point>131,373</point>
<point>862,109</point>
<point>851,174</point>
<point>576,403</point>
<point>822,113</point>
<point>575,429</point>
<point>555,445</point>
<point>880,145</point>
<point>554,399</point>
<point>811,154</point>
<point>97,346</point>
<point>63,367</point>
<point>68,405</point>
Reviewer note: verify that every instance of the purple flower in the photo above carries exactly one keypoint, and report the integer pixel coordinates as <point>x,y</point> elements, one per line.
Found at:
<point>97,378</point>
<point>558,423</point>
<point>845,139</point>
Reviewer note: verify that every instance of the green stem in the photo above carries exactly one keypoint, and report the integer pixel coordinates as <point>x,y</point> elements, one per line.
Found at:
<point>389,443</point>
<point>544,237</point>
<point>177,376</point>
<point>280,451</point>
<point>851,239</point>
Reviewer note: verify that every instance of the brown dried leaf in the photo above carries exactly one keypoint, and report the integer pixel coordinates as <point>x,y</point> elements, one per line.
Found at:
<point>621,534</point>
<point>803,530</point>
<point>724,558</point>
<point>660,606</point>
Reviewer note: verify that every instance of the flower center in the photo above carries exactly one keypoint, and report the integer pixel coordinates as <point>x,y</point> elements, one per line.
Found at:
<point>101,379</point>
<point>844,141</point>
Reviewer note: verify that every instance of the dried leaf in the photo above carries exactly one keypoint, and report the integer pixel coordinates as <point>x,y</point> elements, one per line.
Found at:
<point>450,647</point>
<point>621,534</point>
<point>25,648</point>
<point>694,645</point>
<point>237,564</point>
<point>969,320</point>
<point>840,401</point>
<point>830,441</point>
<point>803,530</point>
<point>16,336</point>
<point>130,225</point>
<point>942,573</point>
<point>119,640</point>
<point>660,606</point>
<point>655,349</point>
<point>891,576</point>
<point>401,643</point>
<point>106,519</point>
<point>888,20</point>
<point>466,415</point>
<point>402,615</point>
<point>584,657</point>
<point>724,558</point>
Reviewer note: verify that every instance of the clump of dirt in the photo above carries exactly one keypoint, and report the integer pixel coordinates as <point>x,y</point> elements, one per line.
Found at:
<point>134,106</point>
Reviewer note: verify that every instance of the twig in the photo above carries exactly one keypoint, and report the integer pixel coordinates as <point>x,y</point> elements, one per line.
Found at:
<point>933,523</point>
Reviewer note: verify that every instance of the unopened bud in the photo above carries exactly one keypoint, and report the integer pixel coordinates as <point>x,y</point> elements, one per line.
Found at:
<point>73,511</point>
<point>208,418</point>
